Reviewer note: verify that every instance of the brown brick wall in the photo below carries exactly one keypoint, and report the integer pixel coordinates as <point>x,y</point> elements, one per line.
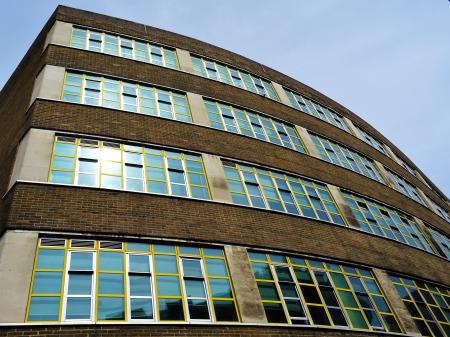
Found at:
<point>130,126</point>
<point>139,71</point>
<point>115,330</point>
<point>195,46</point>
<point>85,210</point>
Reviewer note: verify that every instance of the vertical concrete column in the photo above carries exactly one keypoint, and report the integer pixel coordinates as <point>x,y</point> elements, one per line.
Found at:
<point>17,251</point>
<point>352,127</point>
<point>48,83</point>
<point>59,34</point>
<point>424,229</point>
<point>216,178</point>
<point>185,61</point>
<point>391,154</point>
<point>384,173</point>
<point>343,206</point>
<point>397,305</point>
<point>245,288</point>
<point>422,179</point>
<point>198,109</point>
<point>425,199</point>
<point>33,157</point>
<point>281,93</point>
<point>308,142</point>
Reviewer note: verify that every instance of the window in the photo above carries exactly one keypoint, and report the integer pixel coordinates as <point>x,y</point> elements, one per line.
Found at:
<point>106,164</point>
<point>261,188</point>
<point>116,45</point>
<point>301,291</point>
<point>404,187</point>
<point>237,120</point>
<point>90,281</point>
<point>342,156</point>
<point>406,167</point>
<point>132,97</point>
<point>305,105</point>
<point>238,78</point>
<point>371,141</point>
<point>428,304</point>
<point>384,221</point>
<point>440,211</point>
<point>442,241</point>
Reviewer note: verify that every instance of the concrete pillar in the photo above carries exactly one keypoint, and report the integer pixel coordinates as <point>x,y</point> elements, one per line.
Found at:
<point>384,174</point>
<point>33,157</point>
<point>422,179</point>
<point>308,142</point>
<point>352,128</point>
<point>343,206</point>
<point>426,200</point>
<point>281,94</point>
<point>59,34</point>
<point>49,83</point>
<point>216,178</point>
<point>245,288</point>
<point>391,154</point>
<point>17,251</point>
<point>185,61</point>
<point>397,305</point>
<point>198,109</point>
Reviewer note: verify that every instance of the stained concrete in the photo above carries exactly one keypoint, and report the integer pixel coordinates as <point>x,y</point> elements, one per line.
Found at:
<point>198,109</point>
<point>48,84</point>
<point>216,178</point>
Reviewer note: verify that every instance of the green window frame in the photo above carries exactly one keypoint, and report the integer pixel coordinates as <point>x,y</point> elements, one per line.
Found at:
<point>312,108</point>
<point>112,44</point>
<point>233,76</point>
<point>300,291</point>
<point>428,304</point>
<point>123,95</point>
<point>266,189</point>
<point>238,120</point>
<point>108,164</point>
<point>404,187</point>
<point>81,280</point>
<point>381,220</point>
<point>340,155</point>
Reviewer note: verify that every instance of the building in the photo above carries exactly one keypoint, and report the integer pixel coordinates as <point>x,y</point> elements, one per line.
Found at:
<point>157,185</point>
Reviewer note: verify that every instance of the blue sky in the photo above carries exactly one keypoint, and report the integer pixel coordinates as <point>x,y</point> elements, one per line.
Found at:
<point>386,60</point>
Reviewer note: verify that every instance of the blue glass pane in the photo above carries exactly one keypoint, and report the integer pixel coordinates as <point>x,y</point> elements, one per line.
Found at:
<point>111,308</point>
<point>195,288</point>
<point>166,264</point>
<point>168,286</point>
<point>111,182</point>
<point>141,308</point>
<point>44,309</point>
<point>47,283</point>
<point>81,261</point>
<point>80,283</point>
<point>159,187</point>
<point>110,284</point>
<point>220,288</point>
<point>62,149</point>
<point>138,246</point>
<point>61,177</point>
<point>111,261</point>
<point>139,263</point>
<point>212,252</point>
<point>178,190</point>
<point>63,163</point>
<point>170,309</point>
<point>216,267</point>
<point>189,250</point>
<point>140,285</point>
<point>199,192</point>
<point>50,259</point>
<point>78,308</point>
<point>164,249</point>
<point>192,268</point>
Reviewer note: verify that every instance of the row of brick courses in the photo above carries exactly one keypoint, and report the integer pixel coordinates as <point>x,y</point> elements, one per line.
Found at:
<point>129,126</point>
<point>86,210</point>
<point>142,72</point>
<point>142,31</point>
<point>114,330</point>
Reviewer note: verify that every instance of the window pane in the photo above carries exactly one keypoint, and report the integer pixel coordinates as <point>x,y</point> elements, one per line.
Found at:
<point>140,285</point>
<point>274,313</point>
<point>63,163</point>
<point>168,286</point>
<point>110,284</point>
<point>198,309</point>
<point>62,149</point>
<point>78,308</point>
<point>318,315</point>
<point>268,291</point>
<point>80,261</point>
<point>111,182</point>
<point>310,294</point>
<point>141,308</point>
<point>139,263</point>
<point>47,283</point>
<point>216,267</point>
<point>166,264</point>
<point>111,308</point>
<point>195,288</point>
<point>44,309</point>
<point>220,288</point>
<point>337,316</point>
<point>50,259</point>
<point>111,261</point>
<point>80,283</point>
<point>60,177</point>
<point>357,319</point>
<point>170,309</point>
<point>192,268</point>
